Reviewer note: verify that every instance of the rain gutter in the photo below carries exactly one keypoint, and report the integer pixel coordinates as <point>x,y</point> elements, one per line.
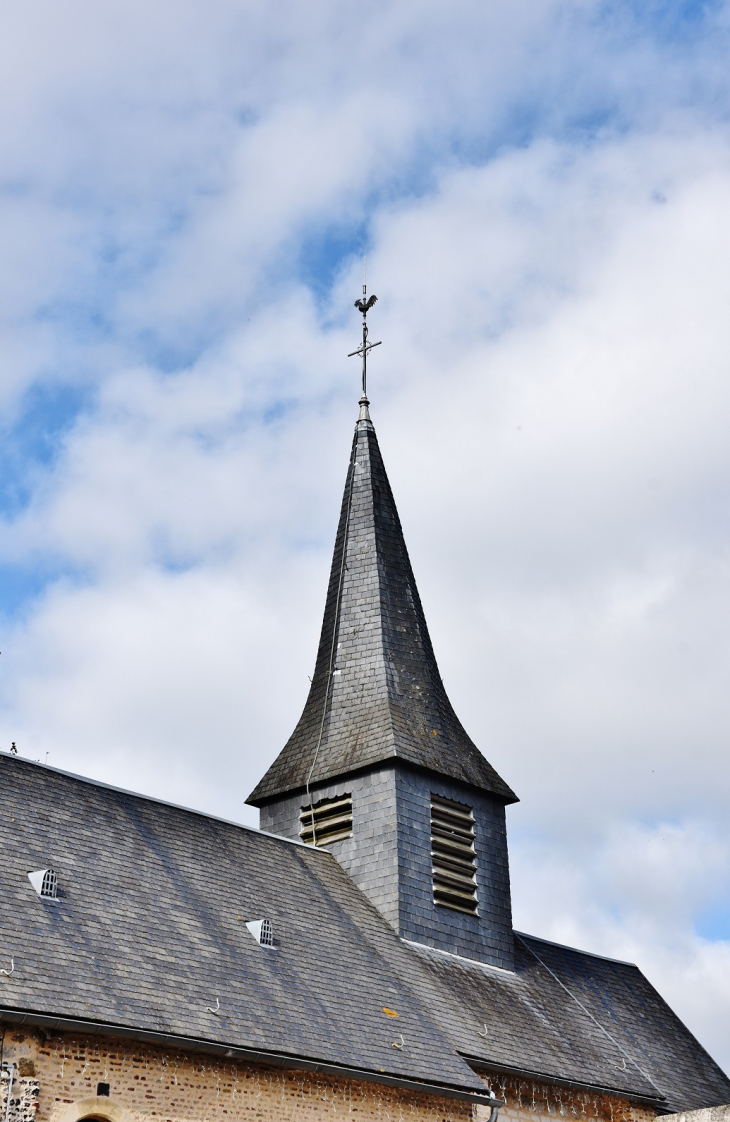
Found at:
<point>564,1081</point>
<point>232,1052</point>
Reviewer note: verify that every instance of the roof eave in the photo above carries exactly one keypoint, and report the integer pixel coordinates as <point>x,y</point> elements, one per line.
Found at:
<point>236,1052</point>
<point>507,797</point>
<point>478,1063</point>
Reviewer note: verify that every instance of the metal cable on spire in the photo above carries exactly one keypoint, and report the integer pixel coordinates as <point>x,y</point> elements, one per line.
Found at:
<point>364,305</point>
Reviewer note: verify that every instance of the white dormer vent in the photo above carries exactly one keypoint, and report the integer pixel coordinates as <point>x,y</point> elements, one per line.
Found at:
<point>45,882</point>
<point>262,931</point>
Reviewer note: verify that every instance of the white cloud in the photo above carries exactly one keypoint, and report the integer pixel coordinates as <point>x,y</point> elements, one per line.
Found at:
<point>633,896</point>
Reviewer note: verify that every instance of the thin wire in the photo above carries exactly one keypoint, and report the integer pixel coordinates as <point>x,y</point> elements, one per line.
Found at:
<point>333,648</point>
<point>594,1019</point>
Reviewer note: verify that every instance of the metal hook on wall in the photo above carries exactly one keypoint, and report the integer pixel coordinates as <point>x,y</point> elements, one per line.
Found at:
<point>217,1007</point>
<point>7,973</point>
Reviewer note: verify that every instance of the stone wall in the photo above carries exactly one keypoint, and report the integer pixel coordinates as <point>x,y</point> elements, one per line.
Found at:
<point>707,1114</point>
<point>24,1099</point>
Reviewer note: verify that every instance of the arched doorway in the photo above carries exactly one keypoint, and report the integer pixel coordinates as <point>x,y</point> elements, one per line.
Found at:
<point>96,1109</point>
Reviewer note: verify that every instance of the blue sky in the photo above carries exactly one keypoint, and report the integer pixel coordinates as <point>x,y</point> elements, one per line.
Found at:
<point>542,190</point>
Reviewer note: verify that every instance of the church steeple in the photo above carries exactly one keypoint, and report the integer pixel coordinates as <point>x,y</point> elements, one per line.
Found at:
<point>379,767</point>
<point>376,693</point>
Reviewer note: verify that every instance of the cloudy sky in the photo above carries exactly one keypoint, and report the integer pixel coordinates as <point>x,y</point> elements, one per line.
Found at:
<point>542,189</point>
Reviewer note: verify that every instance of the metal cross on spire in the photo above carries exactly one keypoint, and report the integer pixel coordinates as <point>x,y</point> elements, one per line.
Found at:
<point>364,306</point>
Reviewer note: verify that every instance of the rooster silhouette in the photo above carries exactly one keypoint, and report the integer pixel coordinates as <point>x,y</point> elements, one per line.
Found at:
<point>365,307</point>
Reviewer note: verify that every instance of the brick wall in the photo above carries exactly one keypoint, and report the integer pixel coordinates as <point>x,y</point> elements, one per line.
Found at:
<point>168,1086</point>
<point>59,1072</point>
<point>527,1100</point>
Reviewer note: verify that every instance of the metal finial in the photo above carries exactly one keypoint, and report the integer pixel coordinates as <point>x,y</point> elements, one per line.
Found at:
<point>364,306</point>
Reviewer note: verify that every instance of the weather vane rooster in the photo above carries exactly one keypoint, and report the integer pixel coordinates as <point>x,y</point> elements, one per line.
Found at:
<point>364,305</point>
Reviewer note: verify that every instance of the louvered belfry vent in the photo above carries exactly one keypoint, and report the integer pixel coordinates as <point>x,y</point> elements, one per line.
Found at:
<point>332,821</point>
<point>452,855</point>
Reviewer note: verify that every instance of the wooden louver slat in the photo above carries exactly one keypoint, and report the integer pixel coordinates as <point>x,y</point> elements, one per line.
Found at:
<point>332,821</point>
<point>453,856</point>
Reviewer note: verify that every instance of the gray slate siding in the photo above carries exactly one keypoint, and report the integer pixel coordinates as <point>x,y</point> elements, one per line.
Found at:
<point>486,936</point>
<point>389,858</point>
<point>370,856</point>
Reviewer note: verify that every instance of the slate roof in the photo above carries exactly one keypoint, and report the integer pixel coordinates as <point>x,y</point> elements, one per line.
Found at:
<point>149,934</point>
<point>571,1016</point>
<point>381,694</point>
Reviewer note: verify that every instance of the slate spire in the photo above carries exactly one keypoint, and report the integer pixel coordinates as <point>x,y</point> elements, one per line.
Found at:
<point>376,693</point>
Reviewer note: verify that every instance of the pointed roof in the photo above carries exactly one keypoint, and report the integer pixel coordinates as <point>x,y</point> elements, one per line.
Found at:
<point>376,693</point>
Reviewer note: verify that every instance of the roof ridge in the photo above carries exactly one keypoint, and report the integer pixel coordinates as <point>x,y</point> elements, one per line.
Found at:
<point>576,950</point>
<point>153,799</point>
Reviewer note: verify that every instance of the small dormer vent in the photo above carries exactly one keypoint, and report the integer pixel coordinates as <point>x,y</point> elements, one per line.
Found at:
<point>328,821</point>
<point>45,882</point>
<point>262,931</point>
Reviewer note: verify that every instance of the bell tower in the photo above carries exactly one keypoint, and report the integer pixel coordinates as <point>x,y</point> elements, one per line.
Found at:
<point>379,769</point>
